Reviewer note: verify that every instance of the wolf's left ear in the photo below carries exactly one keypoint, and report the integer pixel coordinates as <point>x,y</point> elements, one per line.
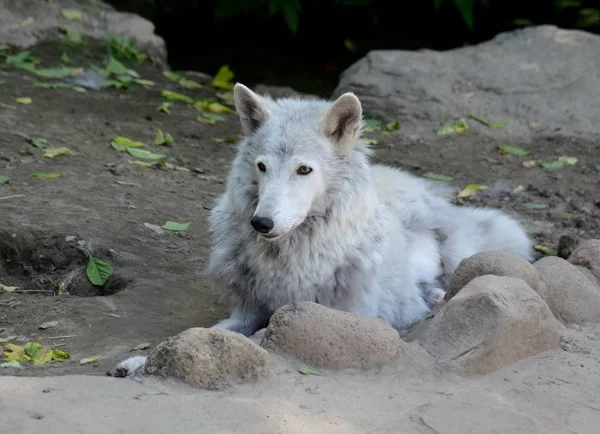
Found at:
<point>252,109</point>
<point>343,121</point>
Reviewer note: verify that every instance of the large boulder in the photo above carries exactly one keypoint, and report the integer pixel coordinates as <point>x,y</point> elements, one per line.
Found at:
<point>517,76</point>
<point>497,263</point>
<point>571,295</point>
<point>328,338</point>
<point>209,358</point>
<point>491,323</point>
<point>24,23</point>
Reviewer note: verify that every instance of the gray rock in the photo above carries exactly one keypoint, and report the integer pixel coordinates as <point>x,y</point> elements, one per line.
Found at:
<point>497,263</point>
<point>209,358</point>
<point>491,323</point>
<point>571,295</point>
<point>327,338</point>
<point>587,255</point>
<point>517,76</point>
<point>48,20</point>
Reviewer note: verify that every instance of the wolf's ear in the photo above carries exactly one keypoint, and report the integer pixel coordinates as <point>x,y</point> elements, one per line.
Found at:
<point>343,121</point>
<point>252,109</point>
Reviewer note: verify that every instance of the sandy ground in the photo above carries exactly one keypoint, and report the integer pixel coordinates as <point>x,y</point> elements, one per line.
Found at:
<point>157,289</point>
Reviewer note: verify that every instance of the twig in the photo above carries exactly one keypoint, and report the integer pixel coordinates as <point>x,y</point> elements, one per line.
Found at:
<point>61,337</point>
<point>13,196</point>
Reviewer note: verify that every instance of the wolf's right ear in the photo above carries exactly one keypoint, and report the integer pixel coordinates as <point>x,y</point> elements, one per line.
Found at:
<point>252,109</point>
<point>342,123</point>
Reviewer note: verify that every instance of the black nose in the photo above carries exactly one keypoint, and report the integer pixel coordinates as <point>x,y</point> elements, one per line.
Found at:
<point>262,224</point>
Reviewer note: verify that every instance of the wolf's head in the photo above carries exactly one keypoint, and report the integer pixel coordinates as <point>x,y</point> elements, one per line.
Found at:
<point>298,150</point>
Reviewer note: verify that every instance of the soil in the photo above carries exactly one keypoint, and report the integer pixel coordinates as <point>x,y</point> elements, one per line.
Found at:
<point>100,204</point>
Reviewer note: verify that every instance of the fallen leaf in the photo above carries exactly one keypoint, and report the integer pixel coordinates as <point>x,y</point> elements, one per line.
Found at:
<point>368,142</point>
<point>569,161</point>
<point>308,371</point>
<point>89,360</point>
<point>226,140</point>
<point>169,95</point>
<point>115,67</point>
<point>71,14</point>
<point>170,166</point>
<point>535,206</point>
<point>60,355</point>
<point>189,84</point>
<point>56,85</point>
<point>393,126</point>
<point>349,45</point>
<point>56,72</point>
<point>32,348</point>
<point>445,130</point>
<point>15,352</point>
<point>212,106</point>
<point>143,346</point>
<point>227,98</point>
<point>11,364</point>
<point>519,188</point>
<point>162,138</point>
<point>8,339</point>
<point>499,125</point>
<point>145,155</point>
<point>437,177</point>
<point>223,78</point>
<point>175,226</point>
<point>145,83</point>
<point>471,190</point>
<point>560,163</point>
<point>543,249</point>
<point>43,356</point>
<point>98,271</point>
<point>529,164</point>
<point>480,119</point>
<point>39,143</point>
<point>56,152</point>
<point>460,126</point>
<point>597,168</point>
<point>24,100</point>
<point>45,175</point>
<point>172,75</point>
<point>4,288</point>
<point>212,117</point>
<point>64,57</point>
<point>164,108</point>
<point>121,143</point>
<point>141,163</point>
<point>511,150</point>
<point>72,35</point>
<point>4,180</point>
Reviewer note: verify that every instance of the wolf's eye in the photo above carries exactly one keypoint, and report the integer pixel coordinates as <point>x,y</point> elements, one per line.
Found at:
<point>304,170</point>
<point>262,167</point>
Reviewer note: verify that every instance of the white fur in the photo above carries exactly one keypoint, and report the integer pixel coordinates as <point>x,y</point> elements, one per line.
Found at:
<point>349,235</point>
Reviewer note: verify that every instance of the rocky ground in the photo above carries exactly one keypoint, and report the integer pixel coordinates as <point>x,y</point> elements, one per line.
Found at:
<point>104,206</point>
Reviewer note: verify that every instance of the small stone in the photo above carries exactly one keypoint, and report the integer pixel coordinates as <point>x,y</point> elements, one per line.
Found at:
<point>588,255</point>
<point>571,296</point>
<point>497,263</point>
<point>46,390</point>
<point>48,325</point>
<point>209,358</point>
<point>326,338</point>
<point>155,228</point>
<point>491,323</point>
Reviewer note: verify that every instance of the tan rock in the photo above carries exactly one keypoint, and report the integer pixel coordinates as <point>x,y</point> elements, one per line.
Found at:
<point>571,295</point>
<point>492,322</point>
<point>209,358</point>
<point>497,263</point>
<point>587,254</point>
<point>328,338</point>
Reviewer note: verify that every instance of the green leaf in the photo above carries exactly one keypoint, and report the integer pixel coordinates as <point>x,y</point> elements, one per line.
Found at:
<point>308,371</point>
<point>513,151</point>
<point>11,364</point>
<point>437,177</point>
<point>480,119</point>
<point>465,8</point>
<point>368,142</point>
<point>460,126</point>
<point>115,67</point>
<point>164,108</point>
<point>162,138</point>
<point>71,14</point>
<point>64,57</point>
<point>89,360</point>
<point>145,155</point>
<point>291,16</point>
<point>143,346</point>
<point>172,75</point>
<point>38,143</point>
<point>121,143</point>
<point>8,339</point>
<point>98,271</point>
<point>60,355</point>
<point>371,125</point>
<point>72,35</point>
<point>175,226</point>
<point>223,78</point>
<point>212,117</point>
<point>4,288</point>
<point>145,83</point>
<point>24,100</point>
<point>56,152</point>
<point>169,95</point>
<point>393,126</point>
<point>562,162</point>
<point>535,206</point>
<point>45,85</point>
<point>471,190</point>
<point>4,180</point>
<point>499,125</point>
<point>55,72</point>
<point>597,168</point>
<point>32,348</point>
<point>189,84</point>
<point>543,249</point>
<point>445,130</point>
<point>568,161</point>
<point>45,175</point>
<point>212,106</point>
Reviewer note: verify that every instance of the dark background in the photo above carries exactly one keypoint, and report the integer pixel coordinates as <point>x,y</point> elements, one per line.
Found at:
<point>303,43</point>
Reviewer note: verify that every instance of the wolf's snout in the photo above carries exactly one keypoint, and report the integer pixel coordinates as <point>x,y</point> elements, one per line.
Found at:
<point>264,225</point>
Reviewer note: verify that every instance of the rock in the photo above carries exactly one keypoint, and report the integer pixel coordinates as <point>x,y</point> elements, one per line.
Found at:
<point>588,255</point>
<point>48,325</point>
<point>517,76</point>
<point>209,358</point>
<point>566,246</point>
<point>48,21</point>
<point>497,263</point>
<point>328,338</point>
<point>570,294</point>
<point>277,91</point>
<point>491,323</point>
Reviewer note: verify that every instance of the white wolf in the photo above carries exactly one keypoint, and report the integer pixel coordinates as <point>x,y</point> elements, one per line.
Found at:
<point>306,217</point>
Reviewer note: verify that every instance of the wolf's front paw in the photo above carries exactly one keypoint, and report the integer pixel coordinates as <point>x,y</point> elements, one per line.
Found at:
<point>130,366</point>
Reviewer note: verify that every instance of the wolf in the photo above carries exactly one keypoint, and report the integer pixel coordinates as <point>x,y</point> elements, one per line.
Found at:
<point>305,216</point>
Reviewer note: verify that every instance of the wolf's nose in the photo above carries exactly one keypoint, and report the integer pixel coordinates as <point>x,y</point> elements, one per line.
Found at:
<point>262,224</point>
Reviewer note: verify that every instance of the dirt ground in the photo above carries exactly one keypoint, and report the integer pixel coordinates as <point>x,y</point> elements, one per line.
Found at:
<point>157,289</point>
